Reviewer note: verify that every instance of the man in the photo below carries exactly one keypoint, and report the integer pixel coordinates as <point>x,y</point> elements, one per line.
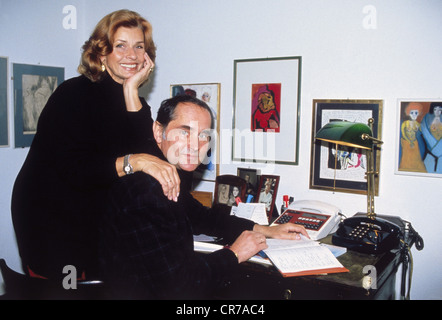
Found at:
<point>147,241</point>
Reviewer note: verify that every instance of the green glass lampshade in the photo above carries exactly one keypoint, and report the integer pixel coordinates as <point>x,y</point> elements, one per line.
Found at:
<point>346,133</point>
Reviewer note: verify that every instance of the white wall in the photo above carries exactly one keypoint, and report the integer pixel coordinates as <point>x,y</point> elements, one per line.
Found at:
<point>197,42</point>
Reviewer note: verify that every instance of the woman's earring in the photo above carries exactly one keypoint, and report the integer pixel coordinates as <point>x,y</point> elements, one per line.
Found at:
<point>103,68</point>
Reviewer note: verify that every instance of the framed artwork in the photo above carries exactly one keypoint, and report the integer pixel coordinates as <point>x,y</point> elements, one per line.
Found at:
<point>419,138</point>
<point>266,110</point>
<point>210,94</point>
<point>268,189</point>
<point>4,137</point>
<point>343,169</point>
<point>229,190</point>
<point>251,176</point>
<point>33,85</point>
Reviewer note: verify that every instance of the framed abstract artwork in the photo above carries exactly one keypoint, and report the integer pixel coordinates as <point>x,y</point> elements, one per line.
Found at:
<point>4,136</point>
<point>266,110</point>
<point>343,169</point>
<point>210,94</point>
<point>33,85</point>
<point>419,133</point>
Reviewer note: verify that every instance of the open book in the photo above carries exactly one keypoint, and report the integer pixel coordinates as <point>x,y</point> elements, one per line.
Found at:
<point>302,257</point>
<point>291,257</point>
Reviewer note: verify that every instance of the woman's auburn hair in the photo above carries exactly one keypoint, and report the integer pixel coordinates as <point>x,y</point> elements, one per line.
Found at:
<point>100,42</point>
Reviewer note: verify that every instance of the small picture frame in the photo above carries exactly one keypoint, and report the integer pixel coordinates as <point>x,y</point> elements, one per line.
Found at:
<point>252,178</point>
<point>229,190</point>
<point>268,189</point>
<point>419,143</point>
<point>4,136</point>
<point>33,85</point>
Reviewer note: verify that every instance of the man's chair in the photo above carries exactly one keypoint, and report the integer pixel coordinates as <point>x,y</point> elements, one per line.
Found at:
<point>205,198</point>
<point>19,286</point>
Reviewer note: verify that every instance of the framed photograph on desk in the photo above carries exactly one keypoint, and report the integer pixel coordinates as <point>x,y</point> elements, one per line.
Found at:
<point>267,191</point>
<point>251,176</point>
<point>229,190</point>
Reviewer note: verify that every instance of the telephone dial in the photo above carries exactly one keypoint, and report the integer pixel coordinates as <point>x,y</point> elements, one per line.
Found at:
<point>363,234</point>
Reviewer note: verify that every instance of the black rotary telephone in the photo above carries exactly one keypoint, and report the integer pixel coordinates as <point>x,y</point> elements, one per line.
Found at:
<point>363,234</point>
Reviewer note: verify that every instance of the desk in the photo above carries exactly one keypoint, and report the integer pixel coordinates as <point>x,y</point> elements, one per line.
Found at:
<point>260,282</point>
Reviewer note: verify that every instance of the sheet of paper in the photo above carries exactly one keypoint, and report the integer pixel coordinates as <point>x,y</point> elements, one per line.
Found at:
<point>210,247</point>
<point>275,244</point>
<point>203,238</point>
<point>335,250</point>
<point>251,211</point>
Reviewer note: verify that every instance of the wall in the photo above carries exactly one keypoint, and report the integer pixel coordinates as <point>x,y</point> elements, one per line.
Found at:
<point>342,59</point>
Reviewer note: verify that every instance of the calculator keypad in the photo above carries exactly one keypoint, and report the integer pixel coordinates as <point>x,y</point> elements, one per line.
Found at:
<point>308,223</point>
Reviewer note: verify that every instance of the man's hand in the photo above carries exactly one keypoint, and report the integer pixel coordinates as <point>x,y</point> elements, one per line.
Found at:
<point>248,244</point>
<point>288,231</point>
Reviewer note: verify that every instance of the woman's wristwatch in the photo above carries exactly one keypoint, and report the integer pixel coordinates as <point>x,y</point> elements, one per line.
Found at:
<point>128,169</point>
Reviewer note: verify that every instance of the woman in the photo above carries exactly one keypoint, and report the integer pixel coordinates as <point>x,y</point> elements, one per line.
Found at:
<point>234,197</point>
<point>411,159</point>
<point>93,130</point>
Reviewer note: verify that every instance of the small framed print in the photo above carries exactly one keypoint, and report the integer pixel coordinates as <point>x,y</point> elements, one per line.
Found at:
<point>33,85</point>
<point>419,143</point>
<point>4,136</point>
<point>268,189</point>
<point>210,94</point>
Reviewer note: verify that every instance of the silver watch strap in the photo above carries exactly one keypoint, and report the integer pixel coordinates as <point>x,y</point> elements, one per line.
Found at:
<point>128,169</point>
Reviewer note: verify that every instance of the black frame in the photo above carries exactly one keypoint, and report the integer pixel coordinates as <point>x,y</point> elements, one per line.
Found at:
<point>341,107</point>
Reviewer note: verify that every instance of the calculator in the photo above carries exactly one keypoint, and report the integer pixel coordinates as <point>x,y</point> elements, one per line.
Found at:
<point>317,221</point>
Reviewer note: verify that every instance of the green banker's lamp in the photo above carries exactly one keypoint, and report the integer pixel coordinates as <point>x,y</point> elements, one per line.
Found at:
<point>357,135</point>
<point>368,232</point>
